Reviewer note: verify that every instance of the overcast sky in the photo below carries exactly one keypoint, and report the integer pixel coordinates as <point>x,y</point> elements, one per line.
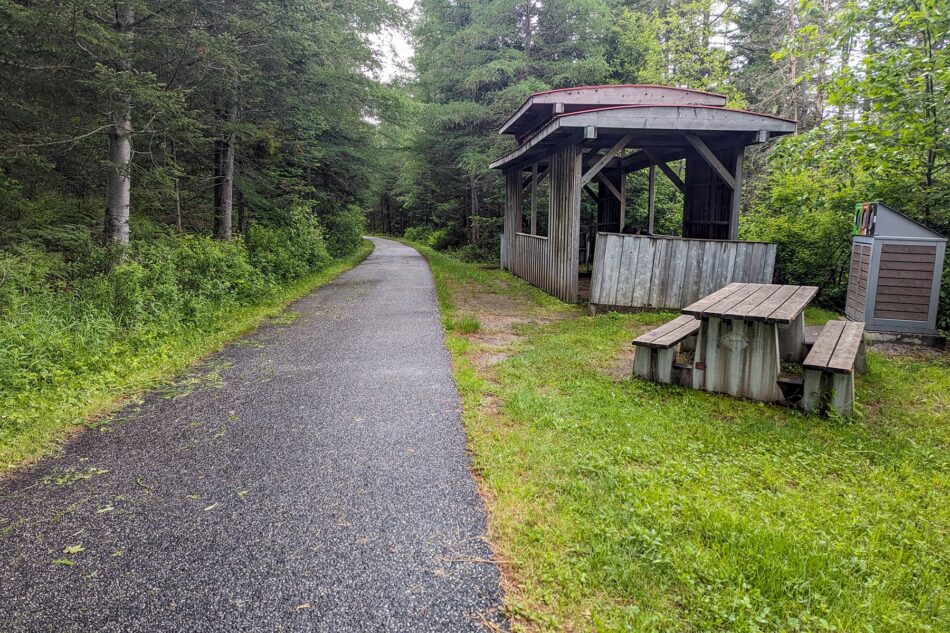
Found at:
<point>395,47</point>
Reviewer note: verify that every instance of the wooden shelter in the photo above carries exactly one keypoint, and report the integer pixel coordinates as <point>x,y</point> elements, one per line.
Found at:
<point>587,139</point>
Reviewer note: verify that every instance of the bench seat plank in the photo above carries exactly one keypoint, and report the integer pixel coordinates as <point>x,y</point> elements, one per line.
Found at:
<point>677,335</point>
<point>824,347</point>
<point>843,360</point>
<point>669,334</point>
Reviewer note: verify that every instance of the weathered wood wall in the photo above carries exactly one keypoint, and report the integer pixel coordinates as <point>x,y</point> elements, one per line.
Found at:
<point>639,271</point>
<point>550,262</point>
<point>707,201</point>
<point>858,280</point>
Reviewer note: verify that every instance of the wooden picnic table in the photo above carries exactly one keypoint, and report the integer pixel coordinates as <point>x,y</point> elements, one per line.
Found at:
<point>746,332</point>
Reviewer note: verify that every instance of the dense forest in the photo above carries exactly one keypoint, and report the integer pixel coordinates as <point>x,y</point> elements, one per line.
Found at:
<point>865,81</point>
<point>164,164</point>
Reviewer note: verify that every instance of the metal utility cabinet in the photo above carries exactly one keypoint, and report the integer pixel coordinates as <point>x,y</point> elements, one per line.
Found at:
<point>896,265</point>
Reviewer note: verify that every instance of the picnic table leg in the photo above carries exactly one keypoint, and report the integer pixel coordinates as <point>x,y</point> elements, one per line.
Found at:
<point>699,357</point>
<point>792,340</point>
<point>763,365</point>
<point>708,349</point>
<point>812,396</point>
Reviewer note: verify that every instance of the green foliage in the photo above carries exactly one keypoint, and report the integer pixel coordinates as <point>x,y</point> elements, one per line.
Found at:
<point>68,322</point>
<point>291,249</point>
<point>344,229</point>
<point>809,218</point>
<point>418,234</point>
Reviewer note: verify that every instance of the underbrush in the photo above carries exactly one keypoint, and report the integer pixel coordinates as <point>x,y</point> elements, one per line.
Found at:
<point>83,325</point>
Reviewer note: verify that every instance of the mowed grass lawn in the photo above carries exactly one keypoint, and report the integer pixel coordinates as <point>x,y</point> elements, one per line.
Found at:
<point>618,504</point>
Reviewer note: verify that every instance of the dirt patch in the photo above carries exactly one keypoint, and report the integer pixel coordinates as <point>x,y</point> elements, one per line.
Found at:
<point>916,352</point>
<point>498,316</point>
<point>620,367</point>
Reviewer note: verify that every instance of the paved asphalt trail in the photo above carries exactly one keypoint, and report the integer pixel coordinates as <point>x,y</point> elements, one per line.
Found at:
<point>312,476</point>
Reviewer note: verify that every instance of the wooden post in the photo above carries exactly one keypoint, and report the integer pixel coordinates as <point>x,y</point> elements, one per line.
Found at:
<point>736,197</point>
<point>623,197</point>
<point>534,199</point>
<point>651,198</point>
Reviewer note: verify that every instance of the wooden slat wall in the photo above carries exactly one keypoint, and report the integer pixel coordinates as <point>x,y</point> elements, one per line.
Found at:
<point>858,281</point>
<point>904,282</point>
<point>707,201</point>
<point>550,263</point>
<point>651,272</point>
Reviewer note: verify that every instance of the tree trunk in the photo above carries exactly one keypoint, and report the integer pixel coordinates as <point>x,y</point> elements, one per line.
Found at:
<point>224,177</point>
<point>118,180</point>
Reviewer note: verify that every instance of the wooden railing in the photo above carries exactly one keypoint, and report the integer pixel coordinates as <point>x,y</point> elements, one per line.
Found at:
<point>638,271</point>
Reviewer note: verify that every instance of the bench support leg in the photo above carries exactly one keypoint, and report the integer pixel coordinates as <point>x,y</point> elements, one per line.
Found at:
<point>664,364</point>
<point>654,364</point>
<point>811,398</point>
<point>861,361</point>
<point>826,389</point>
<point>643,363</point>
<point>842,394</point>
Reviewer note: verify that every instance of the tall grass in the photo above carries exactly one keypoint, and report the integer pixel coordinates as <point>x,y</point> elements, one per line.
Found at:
<point>80,327</point>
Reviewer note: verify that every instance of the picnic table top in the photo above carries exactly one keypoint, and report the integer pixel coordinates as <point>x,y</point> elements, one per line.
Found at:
<point>771,303</point>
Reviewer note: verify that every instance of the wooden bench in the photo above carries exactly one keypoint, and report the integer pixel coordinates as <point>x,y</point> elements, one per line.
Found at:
<point>829,367</point>
<point>656,350</point>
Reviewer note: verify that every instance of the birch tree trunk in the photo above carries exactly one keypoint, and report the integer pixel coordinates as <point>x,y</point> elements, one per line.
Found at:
<point>118,180</point>
<point>224,177</point>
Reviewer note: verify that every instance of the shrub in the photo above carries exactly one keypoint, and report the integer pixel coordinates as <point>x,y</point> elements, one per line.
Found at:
<point>289,249</point>
<point>809,218</point>
<point>418,234</point>
<point>344,229</point>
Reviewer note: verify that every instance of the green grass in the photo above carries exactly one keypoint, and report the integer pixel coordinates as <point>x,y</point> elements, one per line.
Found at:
<point>624,505</point>
<point>45,415</point>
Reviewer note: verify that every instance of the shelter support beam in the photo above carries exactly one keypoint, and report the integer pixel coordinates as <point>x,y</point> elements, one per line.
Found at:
<point>700,146</point>
<point>736,197</point>
<point>534,199</point>
<point>610,186</point>
<point>674,178</point>
<point>606,158</point>
<point>651,198</point>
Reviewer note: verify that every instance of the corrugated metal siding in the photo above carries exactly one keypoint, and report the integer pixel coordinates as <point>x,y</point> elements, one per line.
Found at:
<point>651,272</point>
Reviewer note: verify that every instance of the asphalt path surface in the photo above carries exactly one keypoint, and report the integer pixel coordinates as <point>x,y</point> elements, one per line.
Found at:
<point>312,476</point>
